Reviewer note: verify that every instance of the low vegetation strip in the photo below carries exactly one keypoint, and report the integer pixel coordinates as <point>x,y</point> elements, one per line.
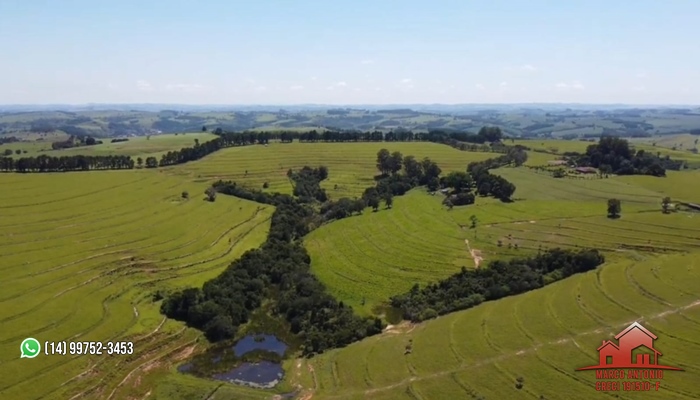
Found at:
<point>500,279</point>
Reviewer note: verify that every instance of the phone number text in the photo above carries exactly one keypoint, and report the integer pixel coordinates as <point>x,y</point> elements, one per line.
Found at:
<point>87,348</point>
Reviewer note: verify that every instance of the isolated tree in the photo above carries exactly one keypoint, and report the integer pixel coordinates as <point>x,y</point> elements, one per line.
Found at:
<point>90,141</point>
<point>383,157</point>
<point>395,162</point>
<point>148,137</point>
<point>614,208</point>
<point>185,194</point>
<point>139,162</point>
<point>18,151</point>
<point>196,142</point>
<point>204,128</point>
<point>8,152</point>
<point>388,200</point>
<point>666,204</point>
<point>474,220</point>
<point>211,194</point>
<point>266,185</point>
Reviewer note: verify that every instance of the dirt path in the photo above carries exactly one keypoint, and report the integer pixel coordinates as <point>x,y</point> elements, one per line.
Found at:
<point>570,339</point>
<point>475,253</point>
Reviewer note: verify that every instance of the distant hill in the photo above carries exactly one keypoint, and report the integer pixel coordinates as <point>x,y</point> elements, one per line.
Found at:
<point>568,121</point>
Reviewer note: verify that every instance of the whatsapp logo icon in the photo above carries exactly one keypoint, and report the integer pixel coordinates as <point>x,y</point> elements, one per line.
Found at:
<point>30,348</point>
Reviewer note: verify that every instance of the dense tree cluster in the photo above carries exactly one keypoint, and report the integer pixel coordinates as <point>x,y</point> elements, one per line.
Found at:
<point>117,140</point>
<point>10,139</point>
<point>279,270</point>
<point>488,184</point>
<point>307,183</point>
<point>46,163</point>
<point>469,288</point>
<point>613,155</point>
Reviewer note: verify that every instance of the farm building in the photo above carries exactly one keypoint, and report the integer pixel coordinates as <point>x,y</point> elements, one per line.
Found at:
<point>586,170</point>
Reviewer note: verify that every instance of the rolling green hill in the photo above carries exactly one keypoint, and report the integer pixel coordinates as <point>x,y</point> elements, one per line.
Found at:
<point>89,255</point>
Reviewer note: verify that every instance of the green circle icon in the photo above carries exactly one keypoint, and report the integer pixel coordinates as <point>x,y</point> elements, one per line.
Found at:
<point>30,348</point>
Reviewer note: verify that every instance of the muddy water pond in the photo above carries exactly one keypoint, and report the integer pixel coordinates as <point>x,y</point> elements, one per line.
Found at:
<point>254,361</point>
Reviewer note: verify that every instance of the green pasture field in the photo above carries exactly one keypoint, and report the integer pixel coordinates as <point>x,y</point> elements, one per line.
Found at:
<point>83,255</point>
<point>351,165</point>
<point>376,255</point>
<point>140,146</point>
<point>683,141</point>
<point>540,337</point>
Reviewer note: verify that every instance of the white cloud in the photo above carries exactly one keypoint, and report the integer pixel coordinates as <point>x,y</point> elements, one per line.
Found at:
<point>367,62</point>
<point>522,68</point>
<point>575,85</point>
<point>337,85</point>
<point>639,89</point>
<point>479,86</point>
<point>296,87</point>
<point>144,86</point>
<point>503,84</point>
<point>406,80</point>
<point>250,81</point>
<point>641,75</point>
<point>112,86</point>
<point>313,78</point>
<point>260,88</point>
<point>184,87</point>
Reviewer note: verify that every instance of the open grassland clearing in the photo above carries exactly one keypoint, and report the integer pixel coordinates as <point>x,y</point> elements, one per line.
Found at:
<point>684,141</point>
<point>83,255</point>
<point>541,337</point>
<point>351,165</point>
<point>366,259</point>
<point>141,146</point>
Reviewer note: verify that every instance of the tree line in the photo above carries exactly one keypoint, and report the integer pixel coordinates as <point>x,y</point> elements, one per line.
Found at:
<point>44,163</point>
<point>469,288</point>
<point>230,139</point>
<point>278,270</point>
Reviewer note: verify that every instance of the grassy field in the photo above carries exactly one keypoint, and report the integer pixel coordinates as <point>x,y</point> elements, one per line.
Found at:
<point>543,336</point>
<point>141,146</point>
<point>376,255</point>
<point>84,253</point>
<point>351,165</point>
<point>82,257</point>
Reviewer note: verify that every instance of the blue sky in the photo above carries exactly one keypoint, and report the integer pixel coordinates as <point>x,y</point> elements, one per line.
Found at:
<point>349,52</point>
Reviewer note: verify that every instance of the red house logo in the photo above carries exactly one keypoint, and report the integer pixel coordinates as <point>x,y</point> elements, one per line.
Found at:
<point>635,349</point>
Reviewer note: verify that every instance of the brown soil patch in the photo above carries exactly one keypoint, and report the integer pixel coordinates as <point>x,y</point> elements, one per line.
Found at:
<point>475,254</point>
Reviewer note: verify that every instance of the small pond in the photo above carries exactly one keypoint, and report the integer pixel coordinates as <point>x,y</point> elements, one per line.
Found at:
<point>259,342</point>
<point>252,361</point>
